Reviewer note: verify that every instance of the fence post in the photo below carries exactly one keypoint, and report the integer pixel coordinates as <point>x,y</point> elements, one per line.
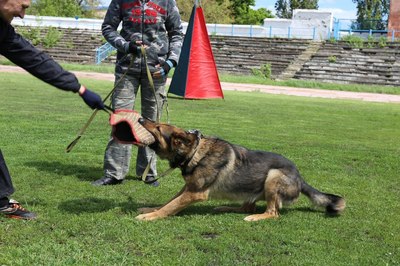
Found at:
<point>76,22</point>
<point>270,31</point>
<point>370,32</point>
<point>251,30</point>
<point>393,36</point>
<point>288,32</point>
<point>336,29</point>
<point>313,36</point>
<point>232,30</point>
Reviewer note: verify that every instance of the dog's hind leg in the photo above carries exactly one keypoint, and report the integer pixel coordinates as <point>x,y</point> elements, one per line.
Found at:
<point>272,188</point>
<point>247,207</point>
<point>273,205</point>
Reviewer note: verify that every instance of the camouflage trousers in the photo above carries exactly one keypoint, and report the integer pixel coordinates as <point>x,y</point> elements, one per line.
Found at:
<point>118,156</point>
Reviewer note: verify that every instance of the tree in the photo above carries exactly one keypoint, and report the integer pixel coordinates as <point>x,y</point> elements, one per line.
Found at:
<point>372,14</point>
<point>226,11</point>
<point>215,11</point>
<point>64,8</point>
<point>240,7</point>
<point>284,8</point>
<point>254,17</point>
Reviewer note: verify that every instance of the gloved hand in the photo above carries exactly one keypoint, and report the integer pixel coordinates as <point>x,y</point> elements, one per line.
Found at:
<point>134,48</point>
<point>92,99</point>
<point>165,68</point>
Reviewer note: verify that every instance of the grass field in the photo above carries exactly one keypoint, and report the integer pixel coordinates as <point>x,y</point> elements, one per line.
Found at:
<point>350,148</point>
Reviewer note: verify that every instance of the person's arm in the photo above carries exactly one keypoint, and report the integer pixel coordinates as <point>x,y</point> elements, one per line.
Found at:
<point>174,28</point>
<point>109,28</point>
<point>22,53</point>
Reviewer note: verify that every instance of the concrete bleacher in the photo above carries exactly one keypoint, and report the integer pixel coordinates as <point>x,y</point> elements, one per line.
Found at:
<point>341,63</point>
<point>75,45</point>
<point>241,54</point>
<point>335,62</point>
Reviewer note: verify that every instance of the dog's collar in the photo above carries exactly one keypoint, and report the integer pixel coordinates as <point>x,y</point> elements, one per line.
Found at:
<point>199,136</point>
<point>196,132</point>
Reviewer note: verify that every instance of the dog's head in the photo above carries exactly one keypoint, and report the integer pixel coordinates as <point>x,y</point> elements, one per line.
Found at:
<point>172,143</point>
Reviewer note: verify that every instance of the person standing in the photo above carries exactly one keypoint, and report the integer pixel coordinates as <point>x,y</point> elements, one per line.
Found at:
<point>22,53</point>
<point>154,25</point>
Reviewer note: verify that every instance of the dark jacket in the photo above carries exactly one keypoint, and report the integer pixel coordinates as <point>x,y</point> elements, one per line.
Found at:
<point>156,23</point>
<point>22,53</point>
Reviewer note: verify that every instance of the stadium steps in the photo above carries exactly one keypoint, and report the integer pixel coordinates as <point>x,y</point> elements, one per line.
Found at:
<point>243,54</point>
<point>299,61</point>
<point>340,63</point>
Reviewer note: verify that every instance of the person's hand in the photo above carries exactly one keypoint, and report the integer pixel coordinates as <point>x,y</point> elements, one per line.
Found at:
<point>134,47</point>
<point>92,99</point>
<point>164,68</point>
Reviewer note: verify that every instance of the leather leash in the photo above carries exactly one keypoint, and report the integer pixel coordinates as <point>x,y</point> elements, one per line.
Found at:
<point>151,82</point>
<point>86,125</point>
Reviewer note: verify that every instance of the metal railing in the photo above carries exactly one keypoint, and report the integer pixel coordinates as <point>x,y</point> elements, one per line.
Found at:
<point>103,52</point>
<point>365,29</point>
<point>213,29</point>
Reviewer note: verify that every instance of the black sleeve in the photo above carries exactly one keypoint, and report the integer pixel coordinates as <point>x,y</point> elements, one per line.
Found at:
<point>22,53</point>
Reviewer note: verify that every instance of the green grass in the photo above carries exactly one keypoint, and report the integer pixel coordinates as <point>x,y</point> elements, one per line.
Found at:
<point>345,147</point>
<point>251,79</point>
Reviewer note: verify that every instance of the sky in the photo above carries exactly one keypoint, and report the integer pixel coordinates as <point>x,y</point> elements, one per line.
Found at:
<point>340,8</point>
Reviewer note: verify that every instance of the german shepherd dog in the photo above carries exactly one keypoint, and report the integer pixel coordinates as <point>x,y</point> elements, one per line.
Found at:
<point>212,167</point>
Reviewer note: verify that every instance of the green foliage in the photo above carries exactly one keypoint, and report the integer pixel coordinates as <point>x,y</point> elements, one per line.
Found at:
<point>58,8</point>
<point>264,71</point>
<point>335,144</point>
<point>284,8</point>
<point>239,7</point>
<point>70,45</point>
<point>226,11</point>
<point>253,17</point>
<point>52,37</point>
<point>370,41</point>
<point>332,40</point>
<point>332,59</point>
<point>382,41</point>
<point>371,14</point>
<point>358,42</point>
<point>354,41</point>
<point>33,34</point>
<point>214,11</point>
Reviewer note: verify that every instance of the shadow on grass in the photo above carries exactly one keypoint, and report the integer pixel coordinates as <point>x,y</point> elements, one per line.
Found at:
<point>82,172</point>
<point>95,205</point>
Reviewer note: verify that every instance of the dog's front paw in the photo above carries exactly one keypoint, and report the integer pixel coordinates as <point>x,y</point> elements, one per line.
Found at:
<point>147,210</point>
<point>148,216</point>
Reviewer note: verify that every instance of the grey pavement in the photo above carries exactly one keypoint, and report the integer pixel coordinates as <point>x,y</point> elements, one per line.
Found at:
<point>304,92</point>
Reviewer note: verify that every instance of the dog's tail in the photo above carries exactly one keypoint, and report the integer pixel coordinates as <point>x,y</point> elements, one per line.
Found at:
<point>333,204</point>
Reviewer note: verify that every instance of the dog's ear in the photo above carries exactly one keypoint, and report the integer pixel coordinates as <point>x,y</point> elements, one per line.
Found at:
<point>181,140</point>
